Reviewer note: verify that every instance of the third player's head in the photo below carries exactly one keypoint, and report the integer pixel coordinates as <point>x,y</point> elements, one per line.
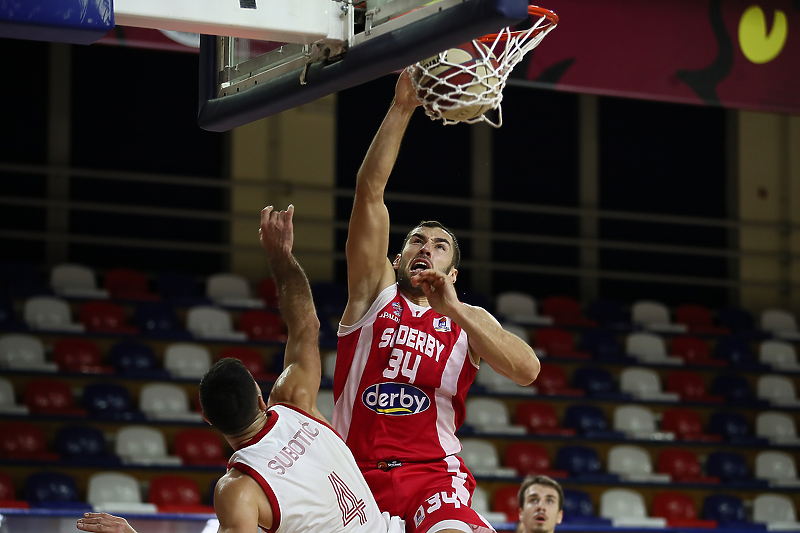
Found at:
<point>229,396</point>
<point>430,245</point>
<point>541,503</point>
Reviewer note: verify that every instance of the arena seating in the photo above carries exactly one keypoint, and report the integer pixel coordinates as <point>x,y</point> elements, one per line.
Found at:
<point>713,442</point>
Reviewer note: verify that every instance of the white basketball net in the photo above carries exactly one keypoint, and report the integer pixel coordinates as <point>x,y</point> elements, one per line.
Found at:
<point>486,91</point>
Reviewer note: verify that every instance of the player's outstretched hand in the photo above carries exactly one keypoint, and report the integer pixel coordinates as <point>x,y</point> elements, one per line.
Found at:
<point>276,233</point>
<point>104,523</point>
<point>404,93</point>
<point>438,289</point>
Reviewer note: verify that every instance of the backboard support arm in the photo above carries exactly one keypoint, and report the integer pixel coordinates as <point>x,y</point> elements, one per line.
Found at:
<point>370,57</point>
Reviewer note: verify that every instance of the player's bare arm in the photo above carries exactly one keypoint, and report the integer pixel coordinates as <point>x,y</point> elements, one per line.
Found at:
<point>368,269</point>
<point>298,384</point>
<point>506,353</point>
<point>240,504</point>
<point>104,523</point>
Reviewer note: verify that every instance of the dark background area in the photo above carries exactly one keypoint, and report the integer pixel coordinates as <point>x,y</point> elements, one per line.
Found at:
<point>134,110</point>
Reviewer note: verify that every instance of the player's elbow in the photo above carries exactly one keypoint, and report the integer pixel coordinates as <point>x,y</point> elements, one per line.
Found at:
<point>528,372</point>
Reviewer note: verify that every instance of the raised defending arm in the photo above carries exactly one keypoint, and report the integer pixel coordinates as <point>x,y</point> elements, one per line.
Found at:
<point>298,384</point>
<point>369,271</point>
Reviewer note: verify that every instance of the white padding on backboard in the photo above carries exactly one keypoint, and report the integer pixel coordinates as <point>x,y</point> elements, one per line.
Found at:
<point>271,20</point>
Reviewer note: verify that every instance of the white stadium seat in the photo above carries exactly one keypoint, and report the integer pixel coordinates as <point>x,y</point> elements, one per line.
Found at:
<point>520,308</point>
<point>187,360</point>
<point>654,316</point>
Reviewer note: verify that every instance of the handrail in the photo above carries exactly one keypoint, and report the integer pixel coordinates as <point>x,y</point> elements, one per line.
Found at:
<point>286,187</point>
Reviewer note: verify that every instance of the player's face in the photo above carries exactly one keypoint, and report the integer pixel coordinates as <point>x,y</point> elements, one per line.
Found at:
<point>540,513</point>
<point>427,248</point>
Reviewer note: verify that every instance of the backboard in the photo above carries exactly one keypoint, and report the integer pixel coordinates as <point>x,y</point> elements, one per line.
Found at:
<point>244,79</point>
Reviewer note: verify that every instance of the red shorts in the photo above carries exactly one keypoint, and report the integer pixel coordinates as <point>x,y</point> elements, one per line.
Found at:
<point>427,494</point>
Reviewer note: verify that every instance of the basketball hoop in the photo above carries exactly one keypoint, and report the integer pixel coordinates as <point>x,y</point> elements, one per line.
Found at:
<point>439,81</point>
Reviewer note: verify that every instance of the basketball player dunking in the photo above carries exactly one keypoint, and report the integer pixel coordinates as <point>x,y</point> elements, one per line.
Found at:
<point>290,471</point>
<point>409,350</point>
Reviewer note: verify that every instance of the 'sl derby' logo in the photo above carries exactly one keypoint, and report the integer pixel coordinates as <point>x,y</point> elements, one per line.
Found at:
<point>395,399</point>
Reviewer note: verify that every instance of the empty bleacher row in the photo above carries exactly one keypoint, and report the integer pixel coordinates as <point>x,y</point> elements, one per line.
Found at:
<point>621,405</point>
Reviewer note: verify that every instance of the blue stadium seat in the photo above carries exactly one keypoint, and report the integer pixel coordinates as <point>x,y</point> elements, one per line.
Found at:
<point>731,469</point>
<point>736,390</point>
<point>736,350</point>
<point>610,314</point>
<point>598,384</point>
<point>22,279</point>
<point>109,401</point>
<point>734,428</point>
<point>84,445</point>
<point>327,332</point>
<point>583,464</point>
<point>729,512</point>
<point>741,323</point>
<point>590,422</point>
<point>135,359</point>
<point>8,318</point>
<point>329,298</point>
<point>578,510</point>
<point>158,319</point>
<point>53,490</point>
<point>604,347</point>
<point>180,289</point>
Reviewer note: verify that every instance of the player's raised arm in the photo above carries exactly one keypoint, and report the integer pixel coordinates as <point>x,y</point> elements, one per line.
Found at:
<point>368,269</point>
<point>298,384</point>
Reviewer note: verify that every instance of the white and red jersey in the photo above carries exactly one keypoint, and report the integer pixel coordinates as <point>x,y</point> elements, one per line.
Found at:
<point>309,476</point>
<point>402,375</point>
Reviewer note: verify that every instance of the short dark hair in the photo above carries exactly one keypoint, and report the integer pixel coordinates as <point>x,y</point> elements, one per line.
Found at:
<point>229,396</point>
<point>435,224</point>
<point>540,480</point>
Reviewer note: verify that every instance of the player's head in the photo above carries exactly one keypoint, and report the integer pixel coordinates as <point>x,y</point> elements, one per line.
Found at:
<point>229,396</point>
<point>431,245</point>
<point>541,503</point>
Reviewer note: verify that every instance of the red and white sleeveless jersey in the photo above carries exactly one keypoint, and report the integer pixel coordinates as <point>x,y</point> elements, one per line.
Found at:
<point>402,374</point>
<point>309,476</point>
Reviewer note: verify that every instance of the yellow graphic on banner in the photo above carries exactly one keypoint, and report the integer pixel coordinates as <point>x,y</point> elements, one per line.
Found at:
<point>757,45</point>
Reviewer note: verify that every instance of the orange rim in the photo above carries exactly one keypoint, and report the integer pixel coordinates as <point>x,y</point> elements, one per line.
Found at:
<point>552,20</point>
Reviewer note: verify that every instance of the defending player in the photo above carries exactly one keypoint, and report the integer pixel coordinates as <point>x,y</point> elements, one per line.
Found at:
<point>409,350</point>
<point>290,472</point>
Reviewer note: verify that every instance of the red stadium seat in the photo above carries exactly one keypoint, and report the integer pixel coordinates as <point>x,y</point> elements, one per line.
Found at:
<point>8,498</point>
<point>105,317</point>
<point>682,466</point>
<point>540,419</point>
<point>24,441</point>
<point>79,355</point>
<point>553,381</point>
<point>694,351</point>
<point>251,359</point>
<point>506,500</point>
<point>268,292</point>
<point>529,458</point>
<point>566,311</point>
<point>698,319</point>
<point>691,387</point>
<point>679,510</point>
<point>262,326</point>
<point>128,284</point>
<point>199,447</point>
<point>176,494</point>
<point>558,343</point>
<point>51,397</point>
<point>686,425</point>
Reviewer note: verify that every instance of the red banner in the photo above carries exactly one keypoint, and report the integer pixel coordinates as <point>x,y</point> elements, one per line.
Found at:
<point>733,53</point>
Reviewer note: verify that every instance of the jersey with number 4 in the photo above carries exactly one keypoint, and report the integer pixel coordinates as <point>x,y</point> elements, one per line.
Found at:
<point>402,375</point>
<point>309,476</point>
